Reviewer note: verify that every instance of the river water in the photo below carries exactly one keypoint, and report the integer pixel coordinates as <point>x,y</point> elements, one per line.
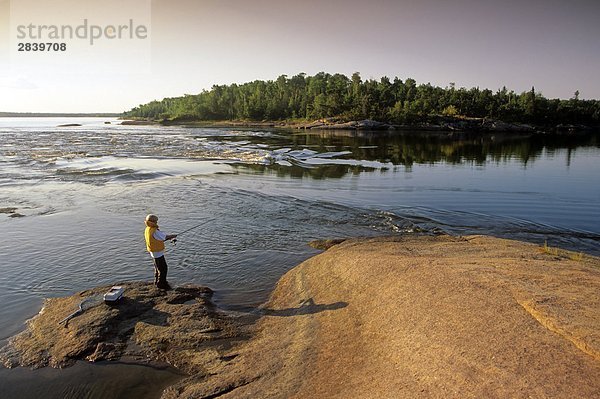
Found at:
<point>260,196</point>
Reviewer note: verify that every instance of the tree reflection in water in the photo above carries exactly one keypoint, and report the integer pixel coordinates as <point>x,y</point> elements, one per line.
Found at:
<point>405,149</point>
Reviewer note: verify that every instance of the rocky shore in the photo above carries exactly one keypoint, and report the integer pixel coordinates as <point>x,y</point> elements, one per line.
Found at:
<point>438,124</point>
<point>401,317</point>
<point>443,124</point>
<point>181,327</point>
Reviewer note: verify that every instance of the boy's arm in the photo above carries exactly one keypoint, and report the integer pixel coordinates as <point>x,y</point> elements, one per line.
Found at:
<point>159,235</point>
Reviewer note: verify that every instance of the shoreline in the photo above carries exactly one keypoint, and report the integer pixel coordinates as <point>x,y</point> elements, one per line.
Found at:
<point>444,125</point>
<point>305,316</point>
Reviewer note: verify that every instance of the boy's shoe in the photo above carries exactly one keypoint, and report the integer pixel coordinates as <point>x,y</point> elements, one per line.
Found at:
<point>164,286</point>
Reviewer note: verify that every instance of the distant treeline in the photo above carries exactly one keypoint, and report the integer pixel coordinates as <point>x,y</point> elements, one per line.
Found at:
<point>352,98</point>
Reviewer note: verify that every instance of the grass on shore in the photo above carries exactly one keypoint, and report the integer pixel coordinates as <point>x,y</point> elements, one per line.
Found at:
<point>576,256</point>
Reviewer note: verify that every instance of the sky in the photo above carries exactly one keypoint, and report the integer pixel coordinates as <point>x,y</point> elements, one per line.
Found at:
<point>192,44</point>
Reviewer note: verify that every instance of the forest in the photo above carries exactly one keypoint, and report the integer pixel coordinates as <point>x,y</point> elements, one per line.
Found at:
<point>325,95</point>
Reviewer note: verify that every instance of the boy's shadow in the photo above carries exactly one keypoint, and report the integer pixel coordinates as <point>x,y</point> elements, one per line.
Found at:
<point>308,306</point>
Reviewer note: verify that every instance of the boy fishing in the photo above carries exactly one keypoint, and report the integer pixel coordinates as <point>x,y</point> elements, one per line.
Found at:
<point>155,244</point>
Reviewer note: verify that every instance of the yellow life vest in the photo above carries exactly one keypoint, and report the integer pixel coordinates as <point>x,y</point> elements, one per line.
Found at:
<point>152,244</point>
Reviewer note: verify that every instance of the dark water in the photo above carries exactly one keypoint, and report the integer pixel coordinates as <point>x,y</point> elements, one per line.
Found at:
<point>262,195</point>
<point>87,380</point>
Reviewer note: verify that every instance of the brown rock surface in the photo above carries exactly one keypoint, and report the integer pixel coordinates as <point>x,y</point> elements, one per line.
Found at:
<point>422,317</point>
<point>181,327</point>
<point>402,317</point>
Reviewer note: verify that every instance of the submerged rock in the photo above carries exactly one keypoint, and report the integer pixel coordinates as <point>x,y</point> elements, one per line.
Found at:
<point>181,327</point>
<point>325,244</point>
<point>138,122</point>
<point>11,212</point>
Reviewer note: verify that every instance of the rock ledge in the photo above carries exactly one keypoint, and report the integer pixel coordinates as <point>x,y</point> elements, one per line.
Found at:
<point>181,327</point>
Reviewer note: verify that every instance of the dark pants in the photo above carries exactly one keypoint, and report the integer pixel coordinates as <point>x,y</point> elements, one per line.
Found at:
<point>160,273</point>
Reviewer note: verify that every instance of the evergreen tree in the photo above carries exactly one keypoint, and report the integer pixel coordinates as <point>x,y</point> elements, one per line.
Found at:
<point>324,95</point>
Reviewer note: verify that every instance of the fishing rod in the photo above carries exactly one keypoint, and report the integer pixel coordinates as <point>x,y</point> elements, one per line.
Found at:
<point>174,240</point>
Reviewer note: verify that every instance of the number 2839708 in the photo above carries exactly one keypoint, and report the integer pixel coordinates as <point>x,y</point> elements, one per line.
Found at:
<point>39,47</point>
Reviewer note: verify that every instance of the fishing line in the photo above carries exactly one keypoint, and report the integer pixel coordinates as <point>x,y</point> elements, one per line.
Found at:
<point>84,305</point>
<point>196,226</point>
<point>174,240</point>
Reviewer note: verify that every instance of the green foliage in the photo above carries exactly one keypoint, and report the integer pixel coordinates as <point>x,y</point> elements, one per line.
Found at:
<point>450,110</point>
<point>324,95</point>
